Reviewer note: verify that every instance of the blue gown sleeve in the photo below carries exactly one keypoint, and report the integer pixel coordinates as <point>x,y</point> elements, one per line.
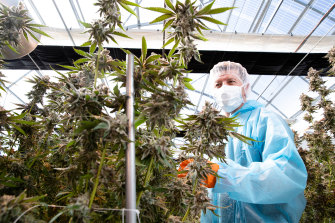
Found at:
<point>280,177</point>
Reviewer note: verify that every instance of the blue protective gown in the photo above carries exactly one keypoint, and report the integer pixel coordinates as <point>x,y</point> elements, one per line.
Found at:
<point>264,181</point>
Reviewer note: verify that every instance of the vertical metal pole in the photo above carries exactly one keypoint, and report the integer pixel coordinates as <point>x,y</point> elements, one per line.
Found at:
<point>130,153</point>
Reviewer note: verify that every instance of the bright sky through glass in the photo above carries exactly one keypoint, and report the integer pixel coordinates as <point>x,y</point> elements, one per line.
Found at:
<point>292,16</point>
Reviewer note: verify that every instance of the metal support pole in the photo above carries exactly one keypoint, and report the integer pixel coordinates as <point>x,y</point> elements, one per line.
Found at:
<point>130,153</point>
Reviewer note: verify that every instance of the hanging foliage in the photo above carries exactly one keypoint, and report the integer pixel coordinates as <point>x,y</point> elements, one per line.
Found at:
<point>319,155</point>
<point>63,152</point>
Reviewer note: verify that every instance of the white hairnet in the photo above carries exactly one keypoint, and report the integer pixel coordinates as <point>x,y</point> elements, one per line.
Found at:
<point>227,67</point>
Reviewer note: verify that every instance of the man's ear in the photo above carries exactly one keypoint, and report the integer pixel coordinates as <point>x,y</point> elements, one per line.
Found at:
<point>245,92</point>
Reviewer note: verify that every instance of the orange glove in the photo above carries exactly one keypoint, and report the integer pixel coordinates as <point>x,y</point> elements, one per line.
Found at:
<point>183,165</point>
<point>210,180</point>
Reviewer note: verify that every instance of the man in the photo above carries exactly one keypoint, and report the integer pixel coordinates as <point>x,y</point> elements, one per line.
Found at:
<point>263,181</point>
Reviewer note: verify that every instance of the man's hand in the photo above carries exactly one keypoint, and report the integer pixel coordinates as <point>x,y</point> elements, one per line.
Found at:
<point>210,180</point>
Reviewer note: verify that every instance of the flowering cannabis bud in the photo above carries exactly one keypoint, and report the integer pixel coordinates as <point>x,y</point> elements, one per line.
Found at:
<point>306,103</point>
<point>314,79</point>
<point>331,59</point>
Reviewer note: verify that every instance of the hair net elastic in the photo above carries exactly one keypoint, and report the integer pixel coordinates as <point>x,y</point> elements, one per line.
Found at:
<point>228,67</point>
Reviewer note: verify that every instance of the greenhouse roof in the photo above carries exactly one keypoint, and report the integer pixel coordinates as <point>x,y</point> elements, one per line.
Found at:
<point>290,26</point>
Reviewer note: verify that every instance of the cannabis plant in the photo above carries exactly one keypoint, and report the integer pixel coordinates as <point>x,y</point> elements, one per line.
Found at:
<point>320,153</point>
<point>63,152</point>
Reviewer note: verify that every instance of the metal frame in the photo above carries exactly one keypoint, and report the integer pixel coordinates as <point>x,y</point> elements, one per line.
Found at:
<point>10,91</point>
<point>138,16</point>
<point>124,23</point>
<point>201,2</point>
<point>20,78</point>
<point>130,152</point>
<point>202,93</point>
<point>75,13</point>
<point>314,9</point>
<point>239,15</point>
<point>280,90</point>
<point>262,16</point>
<point>82,15</point>
<point>277,109</point>
<point>273,15</point>
<point>230,12</point>
<point>67,30</point>
<point>300,16</point>
<point>256,16</point>
<point>36,11</point>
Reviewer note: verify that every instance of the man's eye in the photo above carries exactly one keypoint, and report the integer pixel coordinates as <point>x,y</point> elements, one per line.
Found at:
<point>218,85</point>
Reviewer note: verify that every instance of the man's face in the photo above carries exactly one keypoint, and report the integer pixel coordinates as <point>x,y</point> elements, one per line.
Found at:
<point>227,79</point>
<point>230,80</point>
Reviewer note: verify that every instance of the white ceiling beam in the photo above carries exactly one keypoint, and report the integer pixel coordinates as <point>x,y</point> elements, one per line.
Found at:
<point>217,41</point>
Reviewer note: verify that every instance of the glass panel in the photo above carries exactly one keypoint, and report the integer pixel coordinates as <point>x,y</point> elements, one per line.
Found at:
<point>286,16</point>
<point>288,100</point>
<point>264,83</point>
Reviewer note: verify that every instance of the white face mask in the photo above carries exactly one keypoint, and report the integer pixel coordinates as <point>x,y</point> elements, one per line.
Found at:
<point>229,97</point>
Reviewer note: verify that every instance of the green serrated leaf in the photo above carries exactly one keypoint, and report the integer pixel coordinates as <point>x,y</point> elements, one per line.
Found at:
<point>200,37</point>
<point>86,25</point>
<point>140,120</point>
<point>159,9</point>
<point>81,52</point>
<point>93,47</point>
<point>206,9</point>
<point>126,7</point>
<point>36,25</point>
<point>24,122</point>
<point>161,18</point>
<point>101,125</point>
<point>39,31</point>
<point>70,143</point>
<point>33,199</point>
<point>19,129</point>
<point>219,10</point>
<point>212,20</point>
<point>168,42</point>
<point>138,162</point>
<point>81,60</point>
<point>116,90</point>
<point>170,5</point>
<point>121,34</point>
<point>174,48</point>
<point>186,79</point>
<point>189,86</point>
<point>11,47</point>
<point>87,43</point>
<point>144,48</point>
<point>130,3</point>
<point>68,67</point>
<point>153,58</point>
<point>168,24</point>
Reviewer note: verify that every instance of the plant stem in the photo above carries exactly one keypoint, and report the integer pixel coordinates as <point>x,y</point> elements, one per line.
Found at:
<point>189,206</point>
<point>97,178</point>
<point>146,180</point>
<point>97,67</point>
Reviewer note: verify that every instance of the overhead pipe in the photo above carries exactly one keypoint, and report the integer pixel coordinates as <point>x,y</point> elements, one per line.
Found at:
<point>317,25</point>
